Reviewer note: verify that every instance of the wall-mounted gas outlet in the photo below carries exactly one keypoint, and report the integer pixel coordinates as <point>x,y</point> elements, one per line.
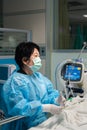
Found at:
<point>43,51</point>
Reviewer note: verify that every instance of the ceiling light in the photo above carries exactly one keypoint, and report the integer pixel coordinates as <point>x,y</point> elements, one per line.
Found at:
<point>85,15</point>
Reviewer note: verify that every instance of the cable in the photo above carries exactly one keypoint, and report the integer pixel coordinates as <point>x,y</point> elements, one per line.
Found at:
<point>84,46</point>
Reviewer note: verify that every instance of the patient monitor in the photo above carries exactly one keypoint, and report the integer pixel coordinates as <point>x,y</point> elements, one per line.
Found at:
<point>5,71</point>
<point>73,72</point>
<point>70,76</point>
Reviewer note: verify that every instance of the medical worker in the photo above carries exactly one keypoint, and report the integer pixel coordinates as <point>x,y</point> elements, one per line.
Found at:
<point>29,93</point>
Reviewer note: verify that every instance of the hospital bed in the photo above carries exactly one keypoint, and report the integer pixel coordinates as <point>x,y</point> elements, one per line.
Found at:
<point>72,117</point>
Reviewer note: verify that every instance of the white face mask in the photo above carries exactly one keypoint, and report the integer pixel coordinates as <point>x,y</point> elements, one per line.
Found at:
<point>37,64</point>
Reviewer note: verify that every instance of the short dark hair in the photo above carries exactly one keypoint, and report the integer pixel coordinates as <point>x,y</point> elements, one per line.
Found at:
<point>24,49</point>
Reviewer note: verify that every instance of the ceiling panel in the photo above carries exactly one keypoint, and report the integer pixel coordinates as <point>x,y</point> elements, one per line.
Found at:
<point>77,8</point>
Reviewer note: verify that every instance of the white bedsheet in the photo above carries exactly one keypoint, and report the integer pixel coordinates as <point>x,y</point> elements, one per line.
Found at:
<point>72,117</point>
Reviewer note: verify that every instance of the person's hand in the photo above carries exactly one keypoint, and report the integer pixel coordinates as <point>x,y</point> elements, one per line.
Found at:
<point>61,100</point>
<point>51,108</point>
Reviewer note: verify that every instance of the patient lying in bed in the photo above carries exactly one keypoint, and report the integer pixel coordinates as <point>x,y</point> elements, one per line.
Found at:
<point>72,117</point>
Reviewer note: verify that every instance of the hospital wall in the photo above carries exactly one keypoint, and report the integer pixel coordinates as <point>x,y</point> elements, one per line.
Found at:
<point>58,57</point>
<point>27,15</point>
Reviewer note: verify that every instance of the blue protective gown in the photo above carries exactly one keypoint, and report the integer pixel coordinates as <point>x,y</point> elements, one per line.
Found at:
<point>24,95</point>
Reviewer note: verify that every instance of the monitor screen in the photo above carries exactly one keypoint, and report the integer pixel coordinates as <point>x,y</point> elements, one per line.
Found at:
<point>72,72</point>
<point>4,72</point>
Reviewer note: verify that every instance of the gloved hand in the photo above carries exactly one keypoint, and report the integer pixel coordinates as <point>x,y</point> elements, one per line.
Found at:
<point>51,108</point>
<point>61,100</point>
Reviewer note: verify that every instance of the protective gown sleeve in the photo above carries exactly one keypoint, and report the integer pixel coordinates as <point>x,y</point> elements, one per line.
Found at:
<point>52,93</point>
<point>16,102</point>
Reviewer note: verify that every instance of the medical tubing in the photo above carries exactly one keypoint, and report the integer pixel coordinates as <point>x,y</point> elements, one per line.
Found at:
<point>56,74</point>
<point>85,45</point>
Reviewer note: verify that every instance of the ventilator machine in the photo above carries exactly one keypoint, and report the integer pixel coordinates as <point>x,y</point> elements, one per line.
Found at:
<point>70,74</point>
